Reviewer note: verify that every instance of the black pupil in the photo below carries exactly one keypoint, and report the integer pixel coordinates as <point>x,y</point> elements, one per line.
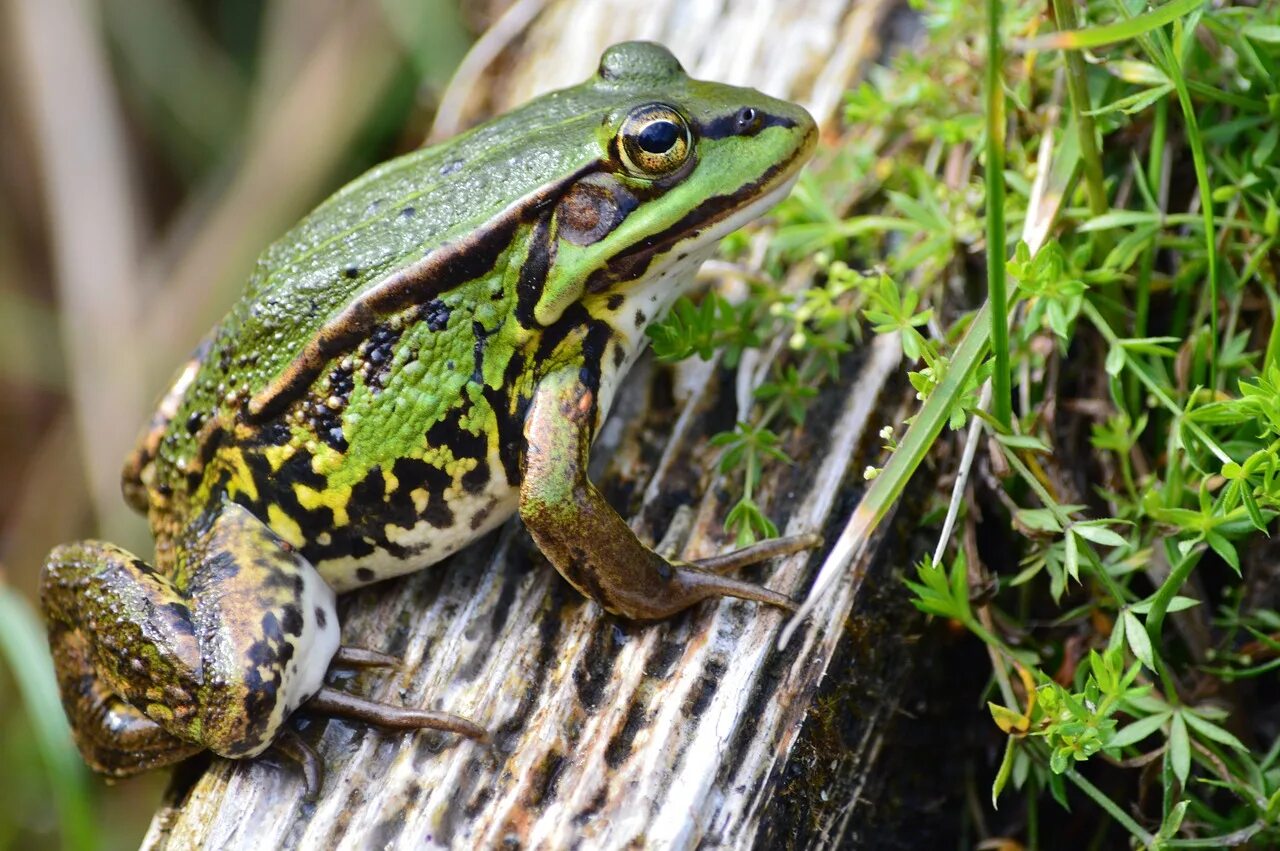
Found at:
<point>747,116</point>
<point>658,137</point>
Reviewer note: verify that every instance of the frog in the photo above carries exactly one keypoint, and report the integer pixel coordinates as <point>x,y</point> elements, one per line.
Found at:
<point>429,352</point>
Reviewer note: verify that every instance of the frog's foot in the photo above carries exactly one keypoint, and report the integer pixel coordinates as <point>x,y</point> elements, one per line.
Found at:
<point>115,738</point>
<point>216,662</point>
<point>594,548</point>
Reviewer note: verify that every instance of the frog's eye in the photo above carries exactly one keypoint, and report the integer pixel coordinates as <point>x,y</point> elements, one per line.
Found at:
<point>654,140</point>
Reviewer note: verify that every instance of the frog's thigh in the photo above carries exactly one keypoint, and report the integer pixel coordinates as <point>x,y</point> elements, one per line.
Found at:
<point>586,540</point>
<point>220,663</point>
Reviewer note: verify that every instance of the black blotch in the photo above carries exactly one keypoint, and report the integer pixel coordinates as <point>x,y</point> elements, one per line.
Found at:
<point>341,382</point>
<point>592,354</point>
<point>407,213</point>
<point>478,519</point>
<point>641,318</point>
<point>509,414</point>
<point>181,618</point>
<point>274,434</point>
<point>438,514</point>
<point>615,301</point>
<point>619,355</point>
<point>364,574</point>
<point>379,353</point>
<point>220,567</point>
<point>533,273</point>
<point>322,619</point>
<point>436,314</point>
<point>292,621</point>
<point>414,474</point>
<point>352,271</point>
<point>474,480</point>
<point>327,424</point>
<point>195,421</point>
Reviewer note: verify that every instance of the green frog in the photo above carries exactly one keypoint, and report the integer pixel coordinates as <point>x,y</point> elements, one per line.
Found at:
<point>430,351</point>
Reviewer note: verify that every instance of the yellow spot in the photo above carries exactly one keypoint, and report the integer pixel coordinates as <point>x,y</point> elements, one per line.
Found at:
<point>460,466</point>
<point>333,498</point>
<point>241,480</point>
<point>277,455</point>
<point>284,525</point>
<point>325,459</point>
<point>390,481</point>
<point>419,497</point>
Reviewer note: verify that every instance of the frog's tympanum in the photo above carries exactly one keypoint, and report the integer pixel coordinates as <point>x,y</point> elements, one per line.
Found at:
<point>430,351</point>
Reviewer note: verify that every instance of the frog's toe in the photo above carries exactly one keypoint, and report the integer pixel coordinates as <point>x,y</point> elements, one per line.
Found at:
<point>358,657</point>
<point>338,704</point>
<point>291,746</point>
<point>760,551</point>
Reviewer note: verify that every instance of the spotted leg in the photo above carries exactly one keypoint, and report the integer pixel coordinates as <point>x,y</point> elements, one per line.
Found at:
<point>153,668</point>
<point>593,547</point>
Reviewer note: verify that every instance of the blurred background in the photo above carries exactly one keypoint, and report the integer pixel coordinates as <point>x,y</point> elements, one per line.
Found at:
<point>151,148</point>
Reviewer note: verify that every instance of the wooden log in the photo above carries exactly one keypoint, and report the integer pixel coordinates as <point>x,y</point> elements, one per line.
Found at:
<point>607,733</point>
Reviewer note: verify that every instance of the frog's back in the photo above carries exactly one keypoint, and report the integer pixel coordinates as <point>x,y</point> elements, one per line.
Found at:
<point>396,450</point>
<point>365,396</point>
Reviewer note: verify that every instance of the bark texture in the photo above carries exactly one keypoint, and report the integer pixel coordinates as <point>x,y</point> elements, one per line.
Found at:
<point>695,732</point>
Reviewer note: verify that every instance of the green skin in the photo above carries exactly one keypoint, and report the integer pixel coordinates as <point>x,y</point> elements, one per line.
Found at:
<point>430,351</point>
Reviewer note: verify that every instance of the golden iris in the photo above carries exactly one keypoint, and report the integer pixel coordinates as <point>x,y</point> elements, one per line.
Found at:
<point>654,140</point>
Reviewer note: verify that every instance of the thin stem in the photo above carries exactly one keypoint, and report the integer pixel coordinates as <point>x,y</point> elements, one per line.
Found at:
<point>1100,798</point>
<point>1160,606</point>
<point>1078,91</point>
<point>1002,402</point>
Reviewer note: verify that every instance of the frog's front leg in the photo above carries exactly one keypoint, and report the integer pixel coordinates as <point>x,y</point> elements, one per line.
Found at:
<point>152,670</point>
<point>590,544</point>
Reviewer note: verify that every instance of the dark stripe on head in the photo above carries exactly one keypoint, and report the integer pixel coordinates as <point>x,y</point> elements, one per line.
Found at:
<point>739,124</point>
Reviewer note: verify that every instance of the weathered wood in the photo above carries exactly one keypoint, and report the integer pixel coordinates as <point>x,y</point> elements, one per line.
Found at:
<point>608,734</point>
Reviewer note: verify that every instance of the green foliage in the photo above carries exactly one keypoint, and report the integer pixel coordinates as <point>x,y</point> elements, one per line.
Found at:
<point>1140,470</point>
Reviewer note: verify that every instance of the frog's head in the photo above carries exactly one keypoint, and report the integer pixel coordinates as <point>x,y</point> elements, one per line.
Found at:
<point>676,165</point>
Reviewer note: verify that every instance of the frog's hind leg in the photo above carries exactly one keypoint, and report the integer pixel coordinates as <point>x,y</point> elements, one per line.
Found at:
<point>216,662</point>
<point>152,670</point>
